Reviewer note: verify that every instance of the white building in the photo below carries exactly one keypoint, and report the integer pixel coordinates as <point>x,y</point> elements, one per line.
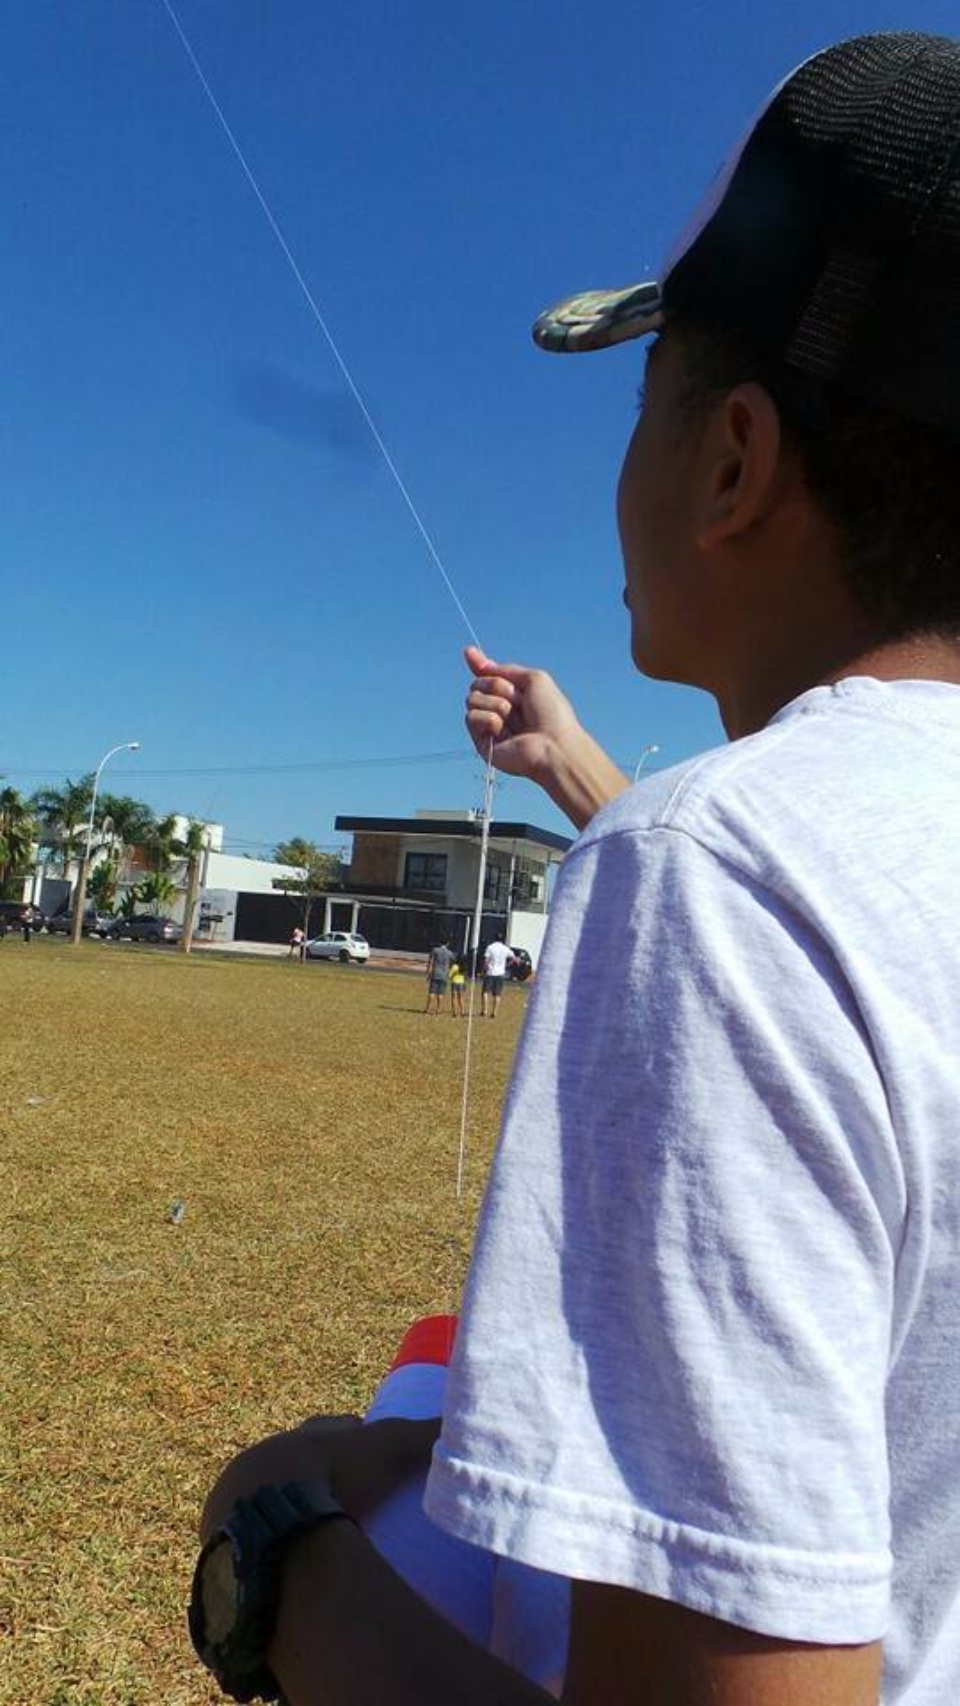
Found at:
<point>412,880</point>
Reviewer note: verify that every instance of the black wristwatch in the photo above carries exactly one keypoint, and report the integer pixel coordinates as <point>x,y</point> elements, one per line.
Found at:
<point>238,1581</point>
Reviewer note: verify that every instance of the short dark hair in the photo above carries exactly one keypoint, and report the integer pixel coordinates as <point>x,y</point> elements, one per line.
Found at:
<point>888,486</point>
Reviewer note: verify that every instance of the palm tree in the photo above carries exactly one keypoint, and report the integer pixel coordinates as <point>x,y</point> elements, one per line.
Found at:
<point>156,890</point>
<point>102,885</point>
<point>161,845</point>
<point>129,826</point>
<point>17,830</point>
<point>125,825</point>
<point>61,814</point>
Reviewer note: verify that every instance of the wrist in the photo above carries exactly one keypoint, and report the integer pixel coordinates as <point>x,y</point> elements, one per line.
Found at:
<point>580,778</point>
<point>313,1563</point>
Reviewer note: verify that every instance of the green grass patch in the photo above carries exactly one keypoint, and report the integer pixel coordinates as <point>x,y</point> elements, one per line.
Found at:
<point>309,1119</point>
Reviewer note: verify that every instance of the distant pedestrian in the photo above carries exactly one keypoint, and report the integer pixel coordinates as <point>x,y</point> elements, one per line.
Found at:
<point>26,923</point>
<point>297,942</point>
<point>438,972</point>
<point>457,980</point>
<point>495,962</point>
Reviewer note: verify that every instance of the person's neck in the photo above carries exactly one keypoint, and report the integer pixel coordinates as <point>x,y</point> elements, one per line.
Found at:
<point>746,704</point>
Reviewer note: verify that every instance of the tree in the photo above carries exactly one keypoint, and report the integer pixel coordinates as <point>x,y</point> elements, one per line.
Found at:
<point>17,831</point>
<point>61,815</point>
<point>124,824</point>
<point>102,885</point>
<point>317,871</point>
<point>161,844</point>
<point>158,847</point>
<point>156,890</point>
<point>128,904</point>
<point>327,869</point>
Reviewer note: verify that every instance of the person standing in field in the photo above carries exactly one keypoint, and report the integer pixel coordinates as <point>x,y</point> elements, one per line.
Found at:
<point>457,982</point>
<point>438,972</point>
<point>708,1364</point>
<point>495,962</point>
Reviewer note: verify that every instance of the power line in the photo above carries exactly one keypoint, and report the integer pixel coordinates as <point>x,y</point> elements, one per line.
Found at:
<point>403,760</point>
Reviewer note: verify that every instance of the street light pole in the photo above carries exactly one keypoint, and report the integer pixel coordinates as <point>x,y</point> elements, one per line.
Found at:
<point>647,752</point>
<point>80,898</point>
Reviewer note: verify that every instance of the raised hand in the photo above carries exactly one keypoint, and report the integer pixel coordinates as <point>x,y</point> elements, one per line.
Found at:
<point>536,734</point>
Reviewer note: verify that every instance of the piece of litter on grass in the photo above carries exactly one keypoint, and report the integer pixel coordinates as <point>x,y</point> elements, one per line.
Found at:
<point>35,1101</point>
<point>176,1212</point>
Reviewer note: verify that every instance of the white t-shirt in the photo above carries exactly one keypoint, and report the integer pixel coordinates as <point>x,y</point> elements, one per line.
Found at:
<point>711,1337</point>
<point>496,959</point>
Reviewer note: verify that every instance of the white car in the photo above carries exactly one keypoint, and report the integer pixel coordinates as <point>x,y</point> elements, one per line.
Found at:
<point>339,945</point>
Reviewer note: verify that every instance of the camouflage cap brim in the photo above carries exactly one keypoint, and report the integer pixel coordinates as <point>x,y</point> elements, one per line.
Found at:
<point>598,319</point>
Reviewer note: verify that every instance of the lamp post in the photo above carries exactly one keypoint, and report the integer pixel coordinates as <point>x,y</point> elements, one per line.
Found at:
<point>80,899</point>
<point>647,752</point>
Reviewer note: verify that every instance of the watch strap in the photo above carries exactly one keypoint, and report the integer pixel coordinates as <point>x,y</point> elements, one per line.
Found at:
<point>258,1531</point>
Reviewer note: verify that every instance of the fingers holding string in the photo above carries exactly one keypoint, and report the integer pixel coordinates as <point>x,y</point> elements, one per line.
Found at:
<point>493,702</point>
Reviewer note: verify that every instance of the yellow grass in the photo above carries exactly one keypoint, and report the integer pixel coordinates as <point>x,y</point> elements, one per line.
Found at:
<point>308,1117</point>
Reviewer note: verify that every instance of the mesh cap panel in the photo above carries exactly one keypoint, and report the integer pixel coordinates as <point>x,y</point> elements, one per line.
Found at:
<point>837,244</point>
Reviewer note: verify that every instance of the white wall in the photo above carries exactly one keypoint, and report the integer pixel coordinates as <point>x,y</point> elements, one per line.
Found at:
<point>219,905</point>
<point>527,930</point>
<point>225,876</point>
<point>249,876</point>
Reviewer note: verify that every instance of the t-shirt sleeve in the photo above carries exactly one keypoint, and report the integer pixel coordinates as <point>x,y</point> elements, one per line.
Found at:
<point>672,1364</point>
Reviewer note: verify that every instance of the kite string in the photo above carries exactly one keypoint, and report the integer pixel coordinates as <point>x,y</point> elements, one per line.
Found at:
<point>489,777</point>
<point>318,317</point>
<point>487,813</point>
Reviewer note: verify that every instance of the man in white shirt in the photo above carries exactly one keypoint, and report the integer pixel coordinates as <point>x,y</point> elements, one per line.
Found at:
<point>495,962</point>
<point>723,1223</point>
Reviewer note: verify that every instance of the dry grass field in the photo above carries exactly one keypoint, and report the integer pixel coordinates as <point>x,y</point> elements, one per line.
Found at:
<point>308,1117</point>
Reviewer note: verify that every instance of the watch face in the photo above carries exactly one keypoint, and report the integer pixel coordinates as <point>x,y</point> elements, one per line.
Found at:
<point>219,1592</point>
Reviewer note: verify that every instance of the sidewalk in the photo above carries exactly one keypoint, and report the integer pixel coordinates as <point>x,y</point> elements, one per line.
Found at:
<point>381,959</point>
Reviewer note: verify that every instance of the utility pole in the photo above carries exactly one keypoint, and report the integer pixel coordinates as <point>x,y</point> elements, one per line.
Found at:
<point>196,860</point>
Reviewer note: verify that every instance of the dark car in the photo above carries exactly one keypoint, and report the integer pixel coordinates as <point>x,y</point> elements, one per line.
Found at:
<point>94,923</point>
<point>13,913</point>
<point>147,928</point>
<point>521,966</point>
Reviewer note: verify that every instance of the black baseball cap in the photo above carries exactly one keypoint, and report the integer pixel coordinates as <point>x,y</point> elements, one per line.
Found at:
<point>831,236</point>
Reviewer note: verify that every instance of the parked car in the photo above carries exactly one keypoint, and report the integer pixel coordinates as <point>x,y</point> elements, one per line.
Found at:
<point>340,945</point>
<point>521,966</point>
<point>12,914</point>
<point>146,928</point>
<point>94,923</point>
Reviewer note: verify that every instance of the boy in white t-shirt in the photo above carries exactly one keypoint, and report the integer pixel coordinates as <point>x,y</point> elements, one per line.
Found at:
<point>709,1360</point>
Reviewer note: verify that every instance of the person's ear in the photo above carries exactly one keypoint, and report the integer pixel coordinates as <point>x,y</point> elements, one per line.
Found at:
<point>740,463</point>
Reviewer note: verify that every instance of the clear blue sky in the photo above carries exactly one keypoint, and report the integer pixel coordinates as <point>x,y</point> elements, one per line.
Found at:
<point>208,552</point>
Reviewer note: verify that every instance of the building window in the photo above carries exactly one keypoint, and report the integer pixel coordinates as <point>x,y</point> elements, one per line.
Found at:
<point>427,871</point>
<point>494,884</point>
<point>528,884</point>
